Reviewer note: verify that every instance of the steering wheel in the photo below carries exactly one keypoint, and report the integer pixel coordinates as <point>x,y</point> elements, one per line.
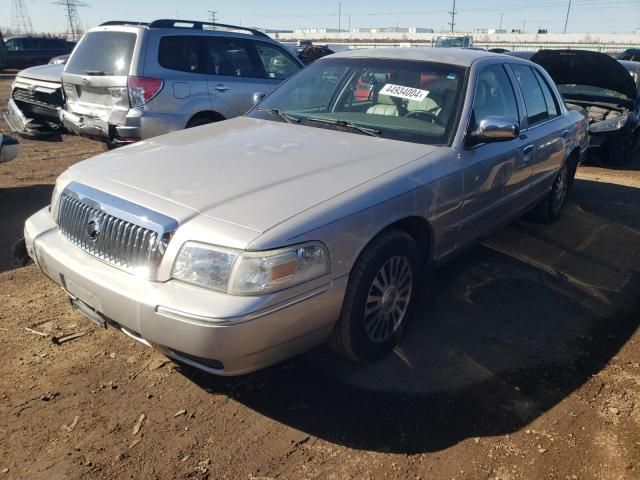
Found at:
<point>423,115</point>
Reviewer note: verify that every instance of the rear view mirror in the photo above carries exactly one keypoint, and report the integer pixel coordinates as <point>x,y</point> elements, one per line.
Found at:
<point>9,148</point>
<point>495,129</point>
<point>257,96</point>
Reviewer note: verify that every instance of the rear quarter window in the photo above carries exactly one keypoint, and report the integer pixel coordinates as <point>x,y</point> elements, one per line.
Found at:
<point>103,53</point>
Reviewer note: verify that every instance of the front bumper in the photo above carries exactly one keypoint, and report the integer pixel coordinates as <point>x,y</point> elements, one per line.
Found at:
<point>160,314</point>
<point>23,126</point>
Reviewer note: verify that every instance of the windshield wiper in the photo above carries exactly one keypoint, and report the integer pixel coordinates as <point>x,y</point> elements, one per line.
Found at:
<point>95,73</point>
<point>279,113</point>
<point>343,123</point>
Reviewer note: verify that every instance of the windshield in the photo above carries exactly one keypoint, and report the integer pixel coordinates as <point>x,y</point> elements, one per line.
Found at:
<point>588,91</point>
<point>397,99</point>
<point>103,53</point>
<point>450,42</point>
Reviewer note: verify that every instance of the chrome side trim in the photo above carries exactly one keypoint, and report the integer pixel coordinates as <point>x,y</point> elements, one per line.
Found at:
<point>179,315</point>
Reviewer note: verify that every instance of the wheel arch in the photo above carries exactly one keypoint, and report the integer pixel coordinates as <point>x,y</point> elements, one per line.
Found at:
<point>211,115</point>
<point>416,227</point>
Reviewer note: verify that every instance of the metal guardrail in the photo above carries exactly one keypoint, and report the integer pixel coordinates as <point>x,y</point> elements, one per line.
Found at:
<point>514,46</point>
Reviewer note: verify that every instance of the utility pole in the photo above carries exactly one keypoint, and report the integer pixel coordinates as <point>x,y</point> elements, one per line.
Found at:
<point>349,23</point>
<point>566,20</point>
<point>501,15</point>
<point>524,24</point>
<point>213,14</point>
<point>339,17</point>
<point>74,26</point>
<point>20,19</point>
<point>453,16</point>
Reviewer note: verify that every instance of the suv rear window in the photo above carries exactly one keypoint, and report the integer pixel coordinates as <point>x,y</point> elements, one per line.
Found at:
<point>103,53</point>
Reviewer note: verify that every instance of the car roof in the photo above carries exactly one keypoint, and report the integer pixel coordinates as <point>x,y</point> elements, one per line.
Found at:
<point>178,26</point>
<point>463,57</point>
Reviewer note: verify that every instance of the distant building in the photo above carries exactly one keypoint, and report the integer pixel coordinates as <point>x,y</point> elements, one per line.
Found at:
<point>316,30</point>
<point>391,30</point>
<point>488,31</point>
<point>274,31</point>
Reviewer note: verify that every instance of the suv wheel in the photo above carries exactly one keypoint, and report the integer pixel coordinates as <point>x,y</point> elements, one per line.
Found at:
<point>378,298</point>
<point>199,120</point>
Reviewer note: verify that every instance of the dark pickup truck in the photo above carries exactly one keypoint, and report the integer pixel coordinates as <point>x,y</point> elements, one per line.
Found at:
<point>27,51</point>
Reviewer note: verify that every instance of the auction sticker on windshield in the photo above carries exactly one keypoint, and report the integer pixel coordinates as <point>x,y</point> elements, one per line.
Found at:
<point>404,92</point>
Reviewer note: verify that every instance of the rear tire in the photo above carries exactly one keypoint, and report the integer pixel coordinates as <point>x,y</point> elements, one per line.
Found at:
<point>551,207</point>
<point>379,295</point>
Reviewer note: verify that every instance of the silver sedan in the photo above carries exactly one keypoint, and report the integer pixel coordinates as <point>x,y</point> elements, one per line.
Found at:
<point>232,246</point>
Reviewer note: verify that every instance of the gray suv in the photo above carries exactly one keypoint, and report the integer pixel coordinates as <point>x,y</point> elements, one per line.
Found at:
<point>130,81</point>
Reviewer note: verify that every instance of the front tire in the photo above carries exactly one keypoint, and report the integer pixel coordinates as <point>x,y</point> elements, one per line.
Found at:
<point>379,295</point>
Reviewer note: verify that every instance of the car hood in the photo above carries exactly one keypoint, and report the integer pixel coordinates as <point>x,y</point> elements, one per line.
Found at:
<point>47,73</point>
<point>582,67</point>
<point>249,172</point>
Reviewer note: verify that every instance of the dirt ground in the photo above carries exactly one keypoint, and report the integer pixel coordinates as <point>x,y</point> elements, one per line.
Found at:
<point>520,362</point>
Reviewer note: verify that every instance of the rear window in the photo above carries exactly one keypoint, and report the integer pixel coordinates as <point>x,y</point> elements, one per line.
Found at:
<point>103,53</point>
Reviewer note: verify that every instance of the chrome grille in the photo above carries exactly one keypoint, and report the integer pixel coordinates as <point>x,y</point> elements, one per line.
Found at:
<point>121,243</point>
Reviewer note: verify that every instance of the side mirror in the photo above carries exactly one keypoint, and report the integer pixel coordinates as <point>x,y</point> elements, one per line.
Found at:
<point>495,129</point>
<point>9,148</point>
<point>257,96</point>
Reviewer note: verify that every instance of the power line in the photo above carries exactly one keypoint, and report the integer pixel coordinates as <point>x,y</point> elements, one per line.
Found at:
<point>20,19</point>
<point>566,20</point>
<point>74,25</point>
<point>453,16</point>
<point>493,7</point>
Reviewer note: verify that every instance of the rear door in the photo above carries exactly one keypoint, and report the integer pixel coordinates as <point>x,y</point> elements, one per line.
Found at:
<point>95,78</point>
<point>544,135</point>
<point>16,53</point>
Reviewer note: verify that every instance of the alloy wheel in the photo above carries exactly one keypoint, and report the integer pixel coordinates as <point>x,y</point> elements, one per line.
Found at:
<point>388,299</point>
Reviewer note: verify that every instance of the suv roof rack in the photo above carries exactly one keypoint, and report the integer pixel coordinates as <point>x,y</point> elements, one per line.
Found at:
<point>198,25</point>
<point>122,22</point>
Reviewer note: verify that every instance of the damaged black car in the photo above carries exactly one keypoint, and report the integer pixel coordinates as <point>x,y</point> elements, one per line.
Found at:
<point>36,95</point>
<point>609,93</point>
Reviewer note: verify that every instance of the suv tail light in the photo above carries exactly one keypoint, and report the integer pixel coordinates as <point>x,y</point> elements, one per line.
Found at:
<point>143,89</point>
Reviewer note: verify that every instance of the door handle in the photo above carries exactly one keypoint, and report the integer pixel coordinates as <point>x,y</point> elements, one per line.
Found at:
<point>528,149</point>
<point>221,88</point>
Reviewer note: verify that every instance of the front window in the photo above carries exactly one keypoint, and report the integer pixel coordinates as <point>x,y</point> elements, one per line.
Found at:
<point>402,100</point>
<point>277,65</point>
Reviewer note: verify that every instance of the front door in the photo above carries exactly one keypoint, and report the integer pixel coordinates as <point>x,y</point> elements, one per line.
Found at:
<point>497,174</point>
<point>235,74</point>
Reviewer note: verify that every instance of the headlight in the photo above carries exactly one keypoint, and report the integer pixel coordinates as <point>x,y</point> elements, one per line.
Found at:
<point>609,125</point>
<point>238,272</point>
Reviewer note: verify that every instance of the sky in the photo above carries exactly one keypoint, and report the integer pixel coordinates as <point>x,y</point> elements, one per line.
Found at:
<point>587,16</point>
